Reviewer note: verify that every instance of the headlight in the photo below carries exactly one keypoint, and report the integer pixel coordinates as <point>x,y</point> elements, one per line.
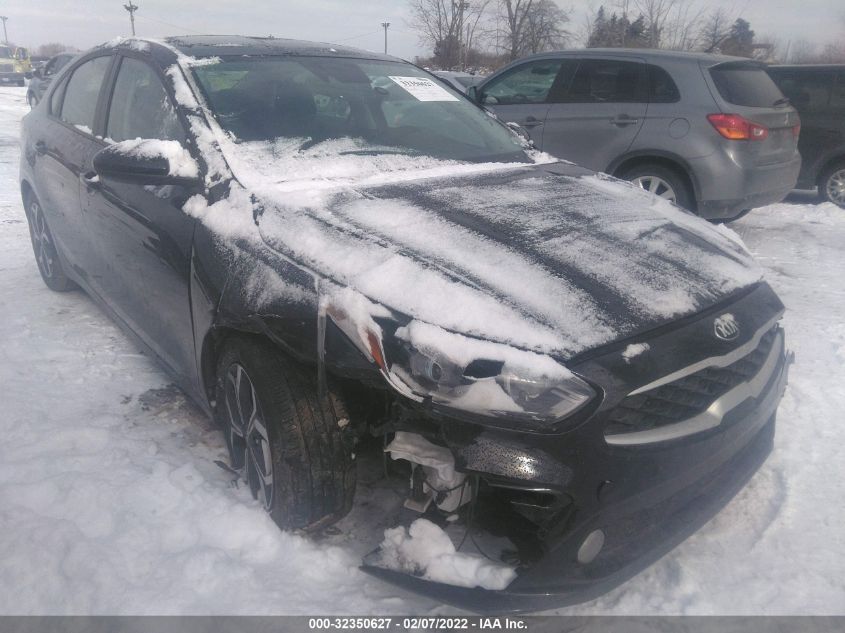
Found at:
<point>425,362</point>
<point>483,377</point>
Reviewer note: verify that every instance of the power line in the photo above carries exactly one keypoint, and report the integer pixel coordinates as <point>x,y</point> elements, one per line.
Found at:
<point>132,8</point>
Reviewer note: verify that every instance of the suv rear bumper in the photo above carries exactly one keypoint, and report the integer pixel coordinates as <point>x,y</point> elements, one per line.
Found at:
<point>732,188</point>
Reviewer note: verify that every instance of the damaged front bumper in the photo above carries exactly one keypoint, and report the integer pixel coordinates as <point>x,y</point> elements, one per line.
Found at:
<point>589,510</point>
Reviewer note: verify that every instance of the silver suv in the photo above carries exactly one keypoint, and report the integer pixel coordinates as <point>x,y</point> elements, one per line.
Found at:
<point>712,133</point>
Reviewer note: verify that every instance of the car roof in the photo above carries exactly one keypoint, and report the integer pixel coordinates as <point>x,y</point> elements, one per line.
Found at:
<point>223,45</point>
<point>808,66</point>
<point>647,54</point>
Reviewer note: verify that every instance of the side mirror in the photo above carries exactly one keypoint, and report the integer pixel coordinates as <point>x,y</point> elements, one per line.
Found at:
<point>38,72</point>
<point>147,162</point>
<point>29,74</point>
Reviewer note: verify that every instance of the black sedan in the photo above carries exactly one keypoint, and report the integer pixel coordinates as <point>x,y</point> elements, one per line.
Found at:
<point>322,245</point>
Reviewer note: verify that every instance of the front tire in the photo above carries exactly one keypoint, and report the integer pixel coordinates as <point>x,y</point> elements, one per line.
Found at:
<point>293,447</point>
<point>663,182</point>
<point>832,184</point>
<point>44,247</point>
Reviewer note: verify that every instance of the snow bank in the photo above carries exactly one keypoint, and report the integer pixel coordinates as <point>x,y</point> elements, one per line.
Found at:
<point>426,551</point>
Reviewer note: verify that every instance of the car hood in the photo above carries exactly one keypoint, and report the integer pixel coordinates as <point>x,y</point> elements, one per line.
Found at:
<point>549,258</point>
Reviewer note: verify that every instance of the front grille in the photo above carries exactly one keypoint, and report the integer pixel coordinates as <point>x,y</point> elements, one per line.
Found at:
<point>7,68</point>
<point>686,397</point>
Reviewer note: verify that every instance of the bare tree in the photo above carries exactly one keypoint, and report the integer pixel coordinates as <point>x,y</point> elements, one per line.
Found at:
<point>447,27</point>
<point>530,26</point>
<point>544,27</point>
<point>673,24</point>
<point>715,29</point>
<point>52,48</point>
<point>515,14</point>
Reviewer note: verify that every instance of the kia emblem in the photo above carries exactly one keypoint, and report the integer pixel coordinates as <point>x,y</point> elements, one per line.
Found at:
<point>726,327</point>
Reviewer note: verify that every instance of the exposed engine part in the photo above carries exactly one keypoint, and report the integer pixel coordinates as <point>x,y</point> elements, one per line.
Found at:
<point>433,477</point>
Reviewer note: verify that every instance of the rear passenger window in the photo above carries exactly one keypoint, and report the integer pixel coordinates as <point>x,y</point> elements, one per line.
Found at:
<point>661,87</point>
<point>83,89</point>
<point>808,91</point>
<point>608,81</point>
<point>529,83</point>
<point>140,107</point>
<point>745,84</point>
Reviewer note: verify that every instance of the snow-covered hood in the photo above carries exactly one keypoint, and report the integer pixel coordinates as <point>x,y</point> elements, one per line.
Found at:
<point>545,258</point>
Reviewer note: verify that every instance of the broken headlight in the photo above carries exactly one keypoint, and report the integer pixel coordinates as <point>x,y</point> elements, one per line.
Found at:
<point>485,378</point>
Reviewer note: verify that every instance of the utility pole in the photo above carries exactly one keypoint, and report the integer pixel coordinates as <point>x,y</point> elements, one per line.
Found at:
<point>132,8</point>
<point>385,26</point>
<point>5,36</point>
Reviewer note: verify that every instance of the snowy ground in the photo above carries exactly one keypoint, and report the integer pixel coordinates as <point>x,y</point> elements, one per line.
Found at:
<point>110,502</point>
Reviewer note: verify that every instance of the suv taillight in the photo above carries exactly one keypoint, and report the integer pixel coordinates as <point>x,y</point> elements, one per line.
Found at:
<point>738,128</point>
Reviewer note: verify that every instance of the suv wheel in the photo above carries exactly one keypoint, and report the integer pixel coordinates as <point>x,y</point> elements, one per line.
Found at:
<point>46,255</point>
<point>662,182</point>
<point>832,184</point>
<point>293,447</point>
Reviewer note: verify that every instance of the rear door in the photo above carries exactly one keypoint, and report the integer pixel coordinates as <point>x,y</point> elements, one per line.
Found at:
<point>597,115</point>
<point>142,237</point>
<point>521,95</point>
<point>63,146</point>
<point>745,88</point>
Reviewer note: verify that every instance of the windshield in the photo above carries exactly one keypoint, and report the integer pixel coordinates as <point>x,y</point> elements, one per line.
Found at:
<point>375,107</point>
<point>5,51</point>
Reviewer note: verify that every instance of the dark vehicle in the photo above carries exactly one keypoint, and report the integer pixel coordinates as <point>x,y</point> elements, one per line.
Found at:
<point>324,245</point>
<point>41,77</point>
<point>711,133</point>
<point>818,93</point>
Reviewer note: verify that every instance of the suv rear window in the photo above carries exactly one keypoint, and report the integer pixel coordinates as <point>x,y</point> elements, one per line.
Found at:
<point>745,84</point>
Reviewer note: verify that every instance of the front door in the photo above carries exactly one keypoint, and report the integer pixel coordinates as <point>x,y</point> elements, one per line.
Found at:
<point>143,238</point>
<point>521,95</point>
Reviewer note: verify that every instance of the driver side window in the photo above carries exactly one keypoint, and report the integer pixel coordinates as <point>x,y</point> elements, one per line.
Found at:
<point>140,106</point>
<point>529,83</point>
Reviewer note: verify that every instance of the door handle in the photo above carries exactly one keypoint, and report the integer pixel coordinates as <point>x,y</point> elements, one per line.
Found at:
<point>41,147</point>
<point>91,180</point>
<point>530,122</point>
<point>623,120</point>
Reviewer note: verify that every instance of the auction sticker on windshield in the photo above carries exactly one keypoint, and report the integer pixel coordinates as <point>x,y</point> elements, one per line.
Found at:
<point>424,89</point>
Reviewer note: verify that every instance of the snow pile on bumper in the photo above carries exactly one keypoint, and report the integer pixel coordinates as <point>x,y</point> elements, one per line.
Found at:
<point>424,550</point>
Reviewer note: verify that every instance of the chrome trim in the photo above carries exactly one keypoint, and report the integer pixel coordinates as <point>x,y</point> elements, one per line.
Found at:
<point>715,413</point>
<point>714,361</point>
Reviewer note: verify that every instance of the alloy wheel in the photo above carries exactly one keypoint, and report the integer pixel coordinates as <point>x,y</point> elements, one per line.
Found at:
<point>247,436</point>
<point>655,185</point>
<point>835,187</point>
<point>45,251</point>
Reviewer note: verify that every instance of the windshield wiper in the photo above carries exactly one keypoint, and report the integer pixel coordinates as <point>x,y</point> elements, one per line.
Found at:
<point>781,101</point>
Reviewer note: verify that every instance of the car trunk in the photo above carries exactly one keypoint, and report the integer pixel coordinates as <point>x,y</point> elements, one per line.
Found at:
<point>747,90</point>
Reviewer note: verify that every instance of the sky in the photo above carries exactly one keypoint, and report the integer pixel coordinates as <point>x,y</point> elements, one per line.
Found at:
<point>84,23</point>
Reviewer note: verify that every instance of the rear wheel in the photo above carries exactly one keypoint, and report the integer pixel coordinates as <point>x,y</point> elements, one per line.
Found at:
<point>832,184</point>
<point>293,448</point>
<point>46,255</point>
<point>662,181</point>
